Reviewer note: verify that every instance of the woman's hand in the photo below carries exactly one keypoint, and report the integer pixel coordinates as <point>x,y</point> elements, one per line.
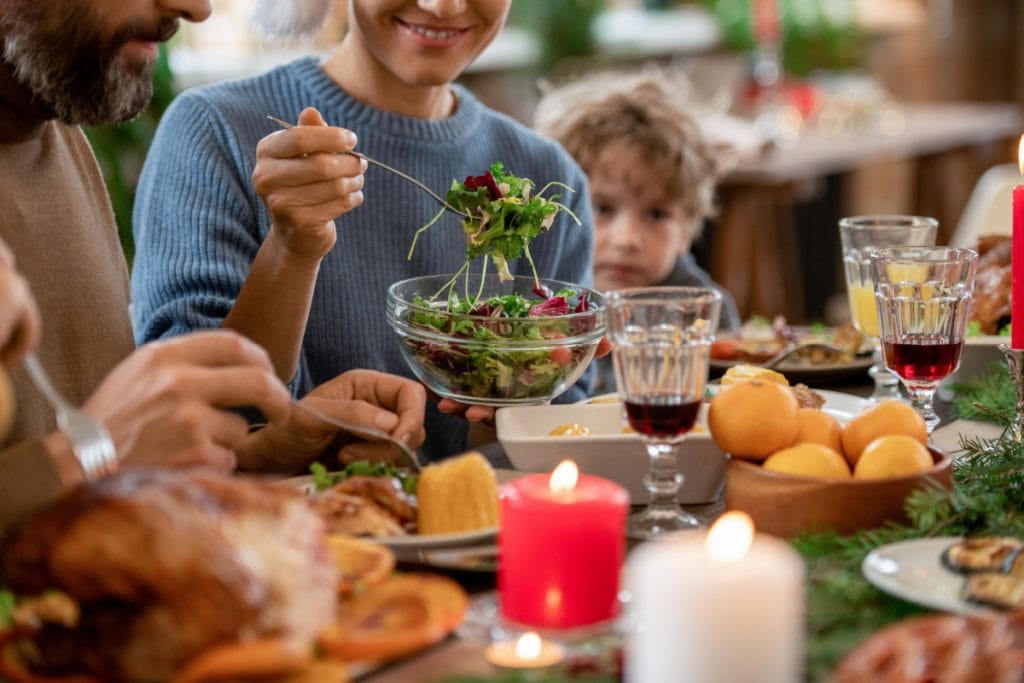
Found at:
<point>376,400</point>
<point>306,178</point>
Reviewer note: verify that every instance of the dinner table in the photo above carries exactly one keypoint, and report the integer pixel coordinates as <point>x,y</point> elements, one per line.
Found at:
<point>459,657</point>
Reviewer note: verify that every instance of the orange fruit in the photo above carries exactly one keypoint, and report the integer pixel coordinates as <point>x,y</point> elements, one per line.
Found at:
<point>360,563</point>
<point>383,624</point>
<point>817,426</point>
<point>395,618</point>
<point>895,455</point>
<point>809,460</point>
<point>881,419</point>
<point>753,419</point>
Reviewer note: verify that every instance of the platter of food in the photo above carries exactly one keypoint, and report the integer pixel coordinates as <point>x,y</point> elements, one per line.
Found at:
<point>448,505</point>
<point>939,573</point>
<point>760,341</point>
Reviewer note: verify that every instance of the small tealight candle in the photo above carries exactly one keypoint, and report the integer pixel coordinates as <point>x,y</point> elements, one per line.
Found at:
<point>727,606</point>
<point>561,546</point>
<point>528,651</point>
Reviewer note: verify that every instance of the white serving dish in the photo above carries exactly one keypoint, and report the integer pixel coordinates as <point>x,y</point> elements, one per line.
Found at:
<point>607,452</point>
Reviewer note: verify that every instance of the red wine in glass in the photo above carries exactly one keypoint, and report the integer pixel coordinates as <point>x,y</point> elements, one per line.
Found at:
<point>662,415</point>
<point>922,360</point>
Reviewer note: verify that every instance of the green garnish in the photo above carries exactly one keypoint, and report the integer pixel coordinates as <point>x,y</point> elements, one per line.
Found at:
<point>7,603</point>
<point>323,480</point>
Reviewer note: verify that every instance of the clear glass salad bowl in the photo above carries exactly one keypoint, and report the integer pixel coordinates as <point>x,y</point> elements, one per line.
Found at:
<point>496,342</point>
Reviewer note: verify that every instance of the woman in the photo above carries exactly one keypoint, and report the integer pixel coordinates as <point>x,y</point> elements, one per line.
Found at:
<point>300,259</point>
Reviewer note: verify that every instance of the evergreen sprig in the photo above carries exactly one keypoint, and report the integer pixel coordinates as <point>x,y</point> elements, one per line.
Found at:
<point>987,498</point>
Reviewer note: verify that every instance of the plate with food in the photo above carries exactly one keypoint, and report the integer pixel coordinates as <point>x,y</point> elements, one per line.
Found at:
<point>951,573</point>
<point>816,353</point>
<point>450,504</point>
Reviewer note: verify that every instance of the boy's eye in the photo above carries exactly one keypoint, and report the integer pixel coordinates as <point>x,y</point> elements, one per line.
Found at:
<point>603,208</point>
<point>657,214</point>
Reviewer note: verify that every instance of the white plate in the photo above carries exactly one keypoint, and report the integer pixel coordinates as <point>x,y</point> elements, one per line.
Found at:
<point>415,541</point>
<point>913,571</point>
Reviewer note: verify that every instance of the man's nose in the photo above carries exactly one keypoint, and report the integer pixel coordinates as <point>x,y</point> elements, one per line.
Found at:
<point>190,10</point>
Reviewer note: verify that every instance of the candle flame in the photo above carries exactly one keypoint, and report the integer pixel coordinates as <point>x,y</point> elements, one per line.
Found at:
<point>730,537</point>
<point>564,477</point>
<point>1020,155</point>
<point>528,646</point>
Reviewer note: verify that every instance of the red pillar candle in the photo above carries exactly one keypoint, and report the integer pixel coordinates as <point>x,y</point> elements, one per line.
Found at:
<point>1017,288</point>
<point>561,544</point>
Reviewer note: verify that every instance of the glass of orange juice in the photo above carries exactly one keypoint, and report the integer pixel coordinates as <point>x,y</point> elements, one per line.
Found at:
<point>861,235</point>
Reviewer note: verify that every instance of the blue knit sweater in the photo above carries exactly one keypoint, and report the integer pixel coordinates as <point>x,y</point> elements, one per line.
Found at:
<point>199,223</point>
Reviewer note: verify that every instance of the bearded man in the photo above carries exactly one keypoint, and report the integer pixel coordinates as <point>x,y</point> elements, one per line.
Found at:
<point>66,63</point>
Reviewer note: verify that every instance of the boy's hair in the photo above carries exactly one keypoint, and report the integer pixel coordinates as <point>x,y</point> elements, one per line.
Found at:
<point>648,112</point>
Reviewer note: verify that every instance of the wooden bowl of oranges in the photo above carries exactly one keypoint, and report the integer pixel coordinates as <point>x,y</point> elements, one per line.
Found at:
<point>795,469</point>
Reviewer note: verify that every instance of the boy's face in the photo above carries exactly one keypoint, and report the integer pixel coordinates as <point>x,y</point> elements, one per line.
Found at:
<point>639,228</point>
<point>426,42</point>
<point>91,61</point>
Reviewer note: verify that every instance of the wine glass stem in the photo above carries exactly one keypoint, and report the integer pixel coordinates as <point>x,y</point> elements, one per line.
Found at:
<point>663,478</point>
<point>921,397</point>
<point>887,384</point>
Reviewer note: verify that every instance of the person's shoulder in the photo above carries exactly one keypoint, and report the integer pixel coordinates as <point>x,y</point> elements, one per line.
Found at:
<point>262,89</point>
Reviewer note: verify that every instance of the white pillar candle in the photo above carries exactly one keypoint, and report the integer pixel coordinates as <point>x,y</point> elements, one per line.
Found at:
<point>721,607</point>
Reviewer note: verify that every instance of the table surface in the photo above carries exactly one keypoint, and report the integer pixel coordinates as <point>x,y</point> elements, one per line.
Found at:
<point>927,129</point>
<point>459,657</point>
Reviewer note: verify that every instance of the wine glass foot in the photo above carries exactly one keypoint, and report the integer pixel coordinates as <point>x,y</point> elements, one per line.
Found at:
<point>887,385</point>
<point>659,523</point>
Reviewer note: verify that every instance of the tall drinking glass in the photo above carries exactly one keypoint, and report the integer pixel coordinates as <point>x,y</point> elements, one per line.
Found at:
<point>860,235</point>
<point>662,342</point>
<point>923,296</point>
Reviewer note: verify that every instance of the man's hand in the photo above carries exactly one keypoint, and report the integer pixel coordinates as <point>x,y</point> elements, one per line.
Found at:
<point>372,399</point>
<point>167,404</point>
<point>19,317</point>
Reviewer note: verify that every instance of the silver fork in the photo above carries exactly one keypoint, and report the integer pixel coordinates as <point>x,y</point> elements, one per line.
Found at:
<point>407,456</point>
<point>795,347</point>
<point>89,439</point>
<point>440,200</point>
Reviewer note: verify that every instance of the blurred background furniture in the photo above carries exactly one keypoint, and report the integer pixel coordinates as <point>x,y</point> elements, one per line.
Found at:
<point>774,263</point>
<point>989,209</point>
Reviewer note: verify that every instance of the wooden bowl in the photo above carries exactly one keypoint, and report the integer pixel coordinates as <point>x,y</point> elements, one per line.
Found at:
<point>787,505</point>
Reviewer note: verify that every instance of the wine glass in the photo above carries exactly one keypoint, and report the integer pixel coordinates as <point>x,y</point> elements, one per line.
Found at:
<point>923,296</point>
<point>860,235</point>
<point>661,339</point>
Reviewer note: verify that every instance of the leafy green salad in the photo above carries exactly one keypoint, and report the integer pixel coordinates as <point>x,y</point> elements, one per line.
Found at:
<point>501,215</point>
<point>512,367</point>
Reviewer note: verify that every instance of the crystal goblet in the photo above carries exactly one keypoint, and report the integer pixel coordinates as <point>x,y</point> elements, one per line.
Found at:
<point>860,235</point>
<point>923,296</point>
<point>661,339</point>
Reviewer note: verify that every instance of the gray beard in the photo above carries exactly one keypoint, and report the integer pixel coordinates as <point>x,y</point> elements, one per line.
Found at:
<point>67,71</point>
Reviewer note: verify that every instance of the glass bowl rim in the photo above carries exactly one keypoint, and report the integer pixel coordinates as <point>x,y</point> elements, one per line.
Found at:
<point>594,307</point>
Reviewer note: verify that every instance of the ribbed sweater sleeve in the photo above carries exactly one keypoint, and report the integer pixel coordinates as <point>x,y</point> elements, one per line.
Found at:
<point>198,222</point>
